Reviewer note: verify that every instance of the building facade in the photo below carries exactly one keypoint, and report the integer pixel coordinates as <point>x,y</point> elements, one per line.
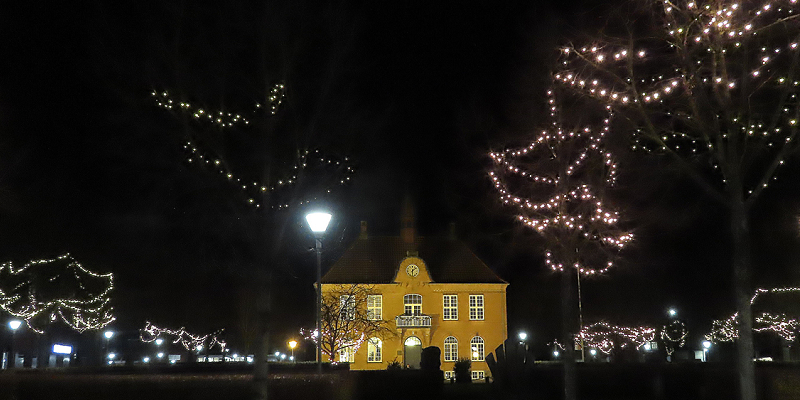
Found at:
<point>431,292</point>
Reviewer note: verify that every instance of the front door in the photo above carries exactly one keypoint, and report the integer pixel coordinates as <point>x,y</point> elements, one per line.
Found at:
<point>413,352</point>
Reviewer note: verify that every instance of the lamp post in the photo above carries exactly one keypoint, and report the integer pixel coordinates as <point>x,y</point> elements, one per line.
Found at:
<point>292,345</point>
<point>706,348</point>
<point>318,222</point>
<point>108,335</point>
<point>14,324</point>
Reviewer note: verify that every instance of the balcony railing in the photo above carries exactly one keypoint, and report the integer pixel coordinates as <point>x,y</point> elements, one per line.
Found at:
<point>413,321</point>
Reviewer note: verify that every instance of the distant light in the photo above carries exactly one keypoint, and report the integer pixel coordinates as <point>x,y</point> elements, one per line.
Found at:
<point>172,361</point>
<point>292,344</point>
<point>159,341</point>
<point>277,353</point>
<point>235,355</point>
<point>283,356</point>
<point>555,353</point>
<point>523,336</point>
<point>199,347</point>
<point>291,358</point>
<point>593,352</point>
<point>112,356</point>
<point>706,344</point>
<point>647,346</point>
<point>62,349</point>
<point>318,221</point>
<point>249,359</point>
<point>146,359</point>
<point>160,355</point>
<point>108,334</point>
<point>673,312</point>
<point>14,324</point>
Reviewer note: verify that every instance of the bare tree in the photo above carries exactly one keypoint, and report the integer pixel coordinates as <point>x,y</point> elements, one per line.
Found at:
<point>556,186</point>
<point>347,321</point>
<point>711,85</point>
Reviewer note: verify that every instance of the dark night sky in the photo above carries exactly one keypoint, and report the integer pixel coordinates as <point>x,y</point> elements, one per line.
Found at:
<point>417,95</point>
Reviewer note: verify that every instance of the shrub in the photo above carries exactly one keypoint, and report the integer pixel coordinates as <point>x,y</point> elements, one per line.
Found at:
<point>394,365</point>
<point>462,370</point>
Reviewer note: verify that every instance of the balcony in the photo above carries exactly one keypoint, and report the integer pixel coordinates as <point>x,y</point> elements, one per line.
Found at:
<point>413,321</point>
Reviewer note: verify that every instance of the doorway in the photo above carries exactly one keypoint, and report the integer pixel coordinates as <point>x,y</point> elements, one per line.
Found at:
<point>412,348</point>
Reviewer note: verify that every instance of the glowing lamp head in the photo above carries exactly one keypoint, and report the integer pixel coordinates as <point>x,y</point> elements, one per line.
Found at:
<point>318,222</point>
<point>593,352</point>
<point>108,334</point>
<point>14,324</point>
<point>523,336</point>
<point>292,344</point>
<point>706,344</point>
<point>672,312</point>
<point>112,356</point>
<point>647,346</point>
<point>159,341</point>
<point>146,360</point>
<point>283,356</point>
<point>160,355</point>
<point>555,353</point>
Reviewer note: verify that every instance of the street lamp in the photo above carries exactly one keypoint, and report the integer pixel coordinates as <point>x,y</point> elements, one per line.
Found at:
<point>706,348</point>
<point>318,222</point>
<point>292,345</point>
<point>159,341</point>
<point>672,312</point>
<point>522,336</point>
<point>14,324</point>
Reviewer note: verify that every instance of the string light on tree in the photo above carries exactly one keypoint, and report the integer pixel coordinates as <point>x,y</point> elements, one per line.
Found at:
<point>673,335</point>
<point>44,291</point>
<point>607,337</point>
<point>785,326</point>
<point>550,184</point>
<point>152,333</point>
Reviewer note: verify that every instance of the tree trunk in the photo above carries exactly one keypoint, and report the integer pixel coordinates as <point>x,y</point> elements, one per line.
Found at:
<point>261,368</point>
<point>740,231</point>
<point>567,329</point>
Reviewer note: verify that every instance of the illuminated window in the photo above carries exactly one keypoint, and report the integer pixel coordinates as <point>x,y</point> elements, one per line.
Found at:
<point>347,307</point>
<point>449,375</point>
<point>347,354</point>
<point>476,348</point>
<point>374,350</point>
<point>476,307</point>
<point>451,349</point>
<point>450,307</point>
<point>413,304</point>
<point>375,307</point>
<point>478,375</point>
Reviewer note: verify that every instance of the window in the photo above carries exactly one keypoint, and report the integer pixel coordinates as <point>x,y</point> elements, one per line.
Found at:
<point>347,307</point>
<point>375,307</point>
<point>478,375</point>
<point>374,350</point>
<point>476,348</point>
<point>450,307</point>
<point>451,349</point>
<point>476,306</point>
<point>413,304</point>
<point>347,355</point>
<point>449,375</point>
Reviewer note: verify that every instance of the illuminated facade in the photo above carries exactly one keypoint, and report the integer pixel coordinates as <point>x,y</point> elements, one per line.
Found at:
<point>431,292</point>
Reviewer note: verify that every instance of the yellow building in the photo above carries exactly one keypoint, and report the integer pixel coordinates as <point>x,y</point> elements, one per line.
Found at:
<point>433,292</point>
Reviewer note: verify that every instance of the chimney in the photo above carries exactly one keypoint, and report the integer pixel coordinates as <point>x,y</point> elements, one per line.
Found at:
<point>407,222</point>
<point>363,234</point>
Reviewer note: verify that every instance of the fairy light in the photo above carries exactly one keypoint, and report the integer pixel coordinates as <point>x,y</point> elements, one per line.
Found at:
<point>787,327</point>
<point>27,293</point>
<point>189,341</point>
<point>673,335</point>
<point>606,337</point>
<point>565,198</point>
<point>699,50</point>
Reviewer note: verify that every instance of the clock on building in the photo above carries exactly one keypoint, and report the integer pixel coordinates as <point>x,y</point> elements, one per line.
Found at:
<point>412,270</point>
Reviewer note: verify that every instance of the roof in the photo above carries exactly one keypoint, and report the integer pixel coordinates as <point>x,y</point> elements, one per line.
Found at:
<point>376,259</point>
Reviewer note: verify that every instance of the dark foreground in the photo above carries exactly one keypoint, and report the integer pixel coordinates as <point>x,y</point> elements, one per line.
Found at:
<point>597,382</point>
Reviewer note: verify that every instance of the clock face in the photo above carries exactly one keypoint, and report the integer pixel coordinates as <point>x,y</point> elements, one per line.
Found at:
<point>412,270</point>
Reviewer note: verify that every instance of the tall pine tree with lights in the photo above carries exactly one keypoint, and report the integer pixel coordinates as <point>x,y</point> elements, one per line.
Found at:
<point>712,86</point>
<point>556,186</point>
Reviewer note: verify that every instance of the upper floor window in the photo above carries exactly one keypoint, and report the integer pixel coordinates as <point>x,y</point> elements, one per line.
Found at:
<point>375,307</point>
<point>412,304</point>
<point>347,355</point>
<point>347,307</point>
<point>374,350</point>
<point>476,348</point>
<point>476,306</point>
<point>450,307</point>
<point>451,349</point>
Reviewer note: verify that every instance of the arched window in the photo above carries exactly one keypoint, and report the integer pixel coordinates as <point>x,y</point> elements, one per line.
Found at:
<point>451,349</point>
<point>476,348</point>
<point>374,350</point>
<point>413,304</point>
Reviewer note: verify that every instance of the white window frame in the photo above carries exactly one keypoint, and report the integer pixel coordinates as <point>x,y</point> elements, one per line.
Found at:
<point>477,344</point>
<point>450,307</point>
<point>412,304</point>
<point>478,375</point>
<point>347,354</point>
<point>347,307</point>
<point>476,307</point>
<point>374,350</point>
<point>450,349</point>
<point>449,374</point>
<point>375,307</point>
